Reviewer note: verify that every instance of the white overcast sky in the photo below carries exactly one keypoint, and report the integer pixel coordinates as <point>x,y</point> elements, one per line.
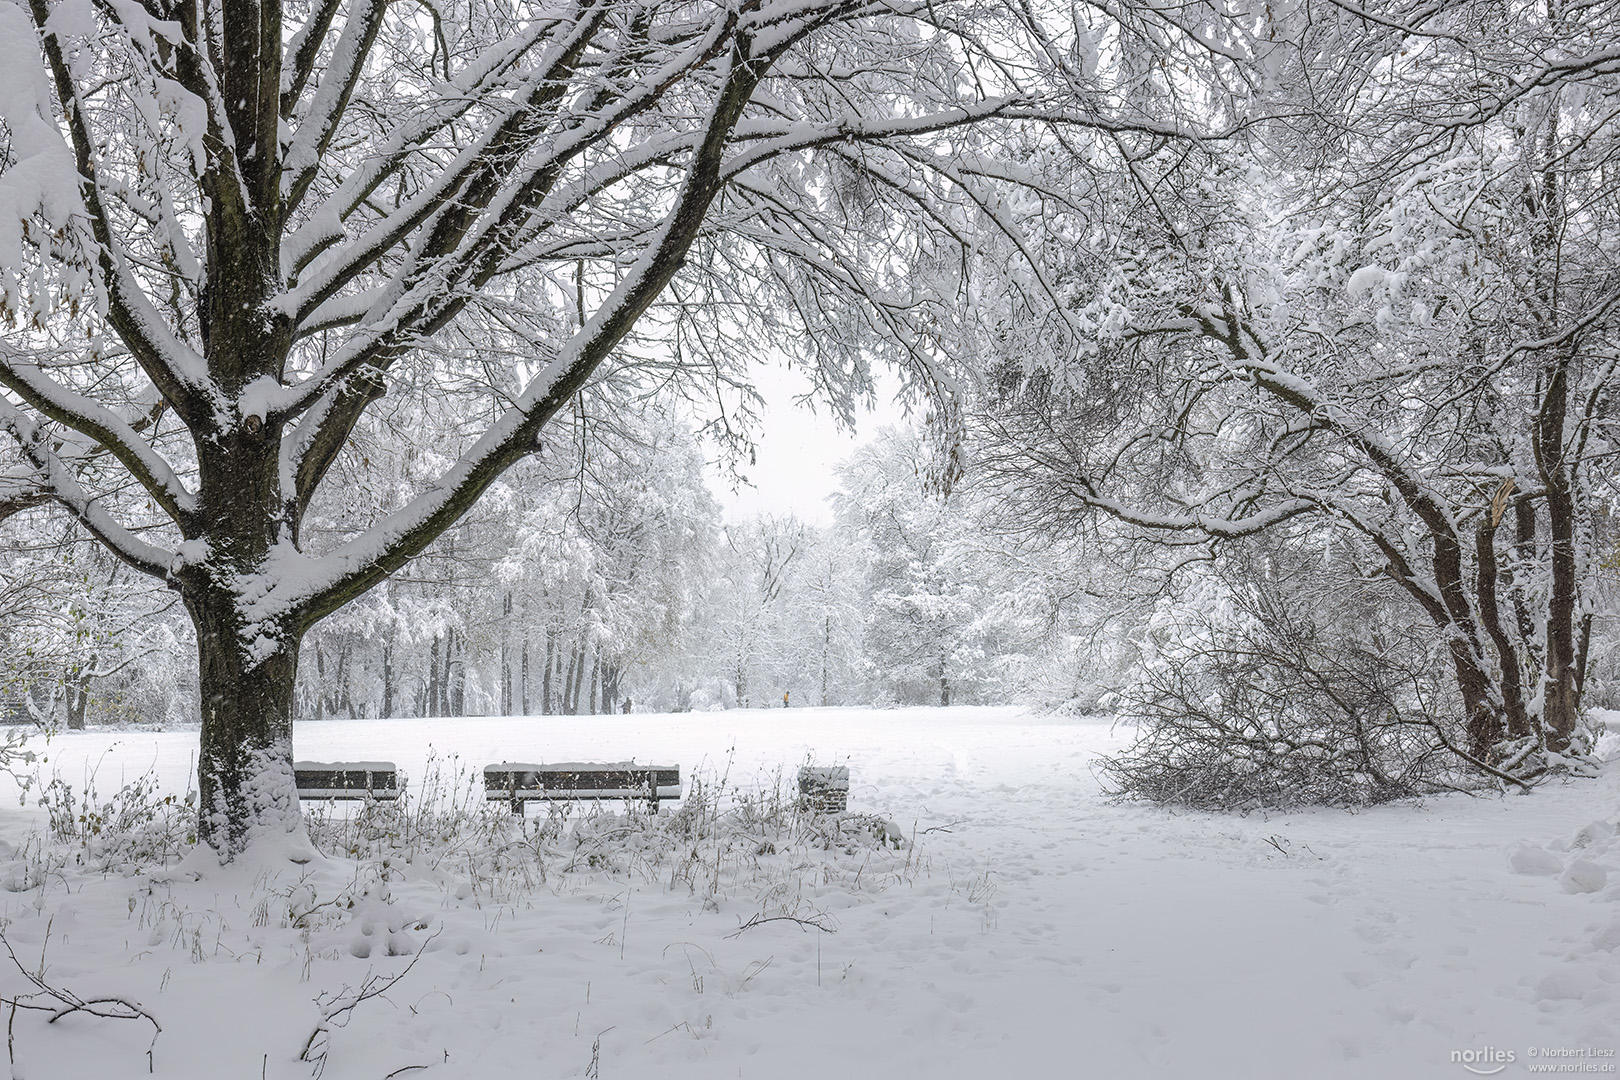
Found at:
<point>796,450</point>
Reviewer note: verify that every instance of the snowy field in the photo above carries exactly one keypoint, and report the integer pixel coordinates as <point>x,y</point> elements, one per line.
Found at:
<point>1025,927</point>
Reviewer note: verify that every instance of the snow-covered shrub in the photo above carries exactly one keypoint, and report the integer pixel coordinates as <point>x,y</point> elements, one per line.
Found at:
<point>1248,696</point>
<point>18,755</point>
<point>133,828</point>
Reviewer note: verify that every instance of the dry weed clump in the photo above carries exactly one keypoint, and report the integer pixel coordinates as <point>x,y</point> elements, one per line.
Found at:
<point>723,839</point>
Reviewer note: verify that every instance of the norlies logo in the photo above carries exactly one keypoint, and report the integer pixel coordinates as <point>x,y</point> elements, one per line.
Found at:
<point>1486,1062</point>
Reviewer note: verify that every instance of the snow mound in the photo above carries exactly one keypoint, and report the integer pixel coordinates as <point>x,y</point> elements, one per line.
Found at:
<point>1597,834</point>
<point>1608,938</point>
<point>1570,984</point>
<point>1534,859</point>
<point>1583,876</point>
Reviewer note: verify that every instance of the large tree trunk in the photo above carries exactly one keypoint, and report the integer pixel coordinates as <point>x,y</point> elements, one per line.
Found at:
<point>77,700</point>
<point>547,670</point>
<point>244,761</point>
<point>433,679</point>
<point>1560,711</point>
<point>523,673</point>
<point>455,670</point>
<point>1484,719</point>
<point>1486,570</point>
<point>387,679</point>
<point>569,698</point>
<point>247,649</point>
<point>596,671</point>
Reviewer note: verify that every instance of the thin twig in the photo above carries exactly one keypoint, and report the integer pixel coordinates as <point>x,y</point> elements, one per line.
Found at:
<point>319,1041</point>
<point>408,1068</point>
<point>760,920</point>
<point>68,1003</point>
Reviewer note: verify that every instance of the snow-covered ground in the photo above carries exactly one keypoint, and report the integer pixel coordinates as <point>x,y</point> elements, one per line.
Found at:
<point>1029,927</point>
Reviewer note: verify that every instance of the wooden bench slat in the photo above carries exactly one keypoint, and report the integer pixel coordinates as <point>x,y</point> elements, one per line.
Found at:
<point>561,795</point>
<point>346,779</point>
<point>519,782</point>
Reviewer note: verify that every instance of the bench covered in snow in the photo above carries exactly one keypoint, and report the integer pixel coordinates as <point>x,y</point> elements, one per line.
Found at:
<point>824,790</point>
<point>346,779</point>
<point>518,783</point>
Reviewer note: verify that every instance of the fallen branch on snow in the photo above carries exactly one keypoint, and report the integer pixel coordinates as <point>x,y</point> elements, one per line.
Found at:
<point>66,1003</point>
<point>817,922</point>
<point>336,1008</point>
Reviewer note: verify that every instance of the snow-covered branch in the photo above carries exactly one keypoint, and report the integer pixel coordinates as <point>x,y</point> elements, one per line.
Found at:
<point>110,431</point>
<point>54,477</point>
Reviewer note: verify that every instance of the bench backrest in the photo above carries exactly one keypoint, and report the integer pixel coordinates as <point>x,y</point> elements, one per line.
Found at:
<point>345,779</point>
<point>613,780</point>
<point>825,789</point>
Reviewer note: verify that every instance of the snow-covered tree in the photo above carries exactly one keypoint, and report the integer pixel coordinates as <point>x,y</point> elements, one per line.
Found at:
<point>81,635</point>
<point>925,586</point>
<point>748,614</point>
<point>229,230</point>
<point>828,627</point>
<point>575,572</point>
<point>1396,315</point>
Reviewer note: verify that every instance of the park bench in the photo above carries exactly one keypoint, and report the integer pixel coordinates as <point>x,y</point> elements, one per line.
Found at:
<point>346,780</point>
<point>519,783</point>
<point>824,790</point>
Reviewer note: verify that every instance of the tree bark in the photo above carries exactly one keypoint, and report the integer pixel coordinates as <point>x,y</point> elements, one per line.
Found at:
<point>433,678</point>
<point>345,692</point>
<point>78,700</point>
<point>1560,711</point>
<point>1486,571</point>
<point>387,680</point>
<point>244,761</point>
<point>317,692</point>
<point>1581,658</point>
<point>545,678</point>
<point>523,670</point>
<point>455,670</point>
<point>568,696</point>
<point>596,671</point>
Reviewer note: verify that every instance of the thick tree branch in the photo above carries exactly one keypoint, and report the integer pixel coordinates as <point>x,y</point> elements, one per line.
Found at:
<point>54,477</point>
<point>304,49</point>
<point>172,366</point>
<point>338,82</point>
<point>106,427</point>
<point>360,564</point>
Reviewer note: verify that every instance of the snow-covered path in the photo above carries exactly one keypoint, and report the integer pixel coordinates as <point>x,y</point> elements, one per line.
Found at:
<point>1035,928</point>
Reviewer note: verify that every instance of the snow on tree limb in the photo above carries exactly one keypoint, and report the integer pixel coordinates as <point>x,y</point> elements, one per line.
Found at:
<point>54,478</point>
<point>107,428</point>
